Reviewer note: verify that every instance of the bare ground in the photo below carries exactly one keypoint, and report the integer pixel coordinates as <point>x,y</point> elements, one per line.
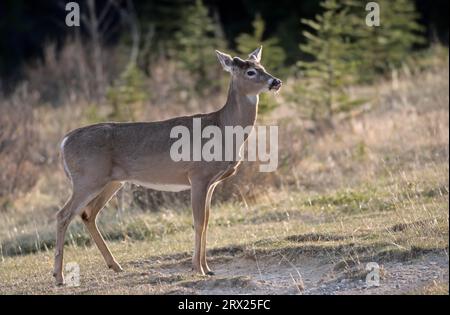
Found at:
<point>240,273</point>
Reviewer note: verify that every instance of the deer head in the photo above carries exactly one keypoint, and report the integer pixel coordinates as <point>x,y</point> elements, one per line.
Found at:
<point>249,75</point>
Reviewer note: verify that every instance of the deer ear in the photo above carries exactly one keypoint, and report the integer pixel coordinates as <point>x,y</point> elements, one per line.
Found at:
<point>256,55</point>
<point>225,60</point>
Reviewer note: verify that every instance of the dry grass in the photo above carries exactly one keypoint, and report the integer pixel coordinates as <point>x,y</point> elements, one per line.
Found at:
<point>434,288</point>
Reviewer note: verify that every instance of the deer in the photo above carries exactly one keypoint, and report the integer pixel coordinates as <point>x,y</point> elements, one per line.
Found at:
<point>98,159</point>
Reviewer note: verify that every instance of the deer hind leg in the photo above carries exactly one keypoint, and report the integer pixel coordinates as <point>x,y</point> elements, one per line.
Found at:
<point>63,218</point>
<point>89,218</point>
<point>79,199</point>
<point>203,260</point>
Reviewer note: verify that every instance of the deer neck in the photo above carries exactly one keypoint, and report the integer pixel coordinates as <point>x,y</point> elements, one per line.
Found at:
<point>240,109</point>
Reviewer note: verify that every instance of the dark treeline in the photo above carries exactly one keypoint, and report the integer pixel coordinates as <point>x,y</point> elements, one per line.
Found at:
<point>27,26</point>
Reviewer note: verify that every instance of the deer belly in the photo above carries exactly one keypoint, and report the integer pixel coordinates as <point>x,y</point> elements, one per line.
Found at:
<point>162,187</point>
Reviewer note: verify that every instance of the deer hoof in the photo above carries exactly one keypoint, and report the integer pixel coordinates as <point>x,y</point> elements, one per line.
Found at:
<point>59,280</point>
<point>199,271</point>
<point>116,267</point>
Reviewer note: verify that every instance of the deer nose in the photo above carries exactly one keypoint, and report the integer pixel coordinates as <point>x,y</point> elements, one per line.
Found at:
<point>276,84</point>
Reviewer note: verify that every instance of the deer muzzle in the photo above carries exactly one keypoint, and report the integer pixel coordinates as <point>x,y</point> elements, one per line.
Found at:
<point>275,84</point>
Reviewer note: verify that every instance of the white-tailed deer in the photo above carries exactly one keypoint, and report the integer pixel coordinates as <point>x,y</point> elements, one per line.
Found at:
<point>99,158</point>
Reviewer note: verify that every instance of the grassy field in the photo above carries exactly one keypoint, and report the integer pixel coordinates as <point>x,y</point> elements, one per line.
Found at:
<point>288,234</point>
<point>374,189</point>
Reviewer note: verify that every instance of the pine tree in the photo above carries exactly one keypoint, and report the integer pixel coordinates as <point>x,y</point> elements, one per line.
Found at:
<point>331,46</point>
<point>385,47</point>
<point>196,41</point>
<point>128,94</point>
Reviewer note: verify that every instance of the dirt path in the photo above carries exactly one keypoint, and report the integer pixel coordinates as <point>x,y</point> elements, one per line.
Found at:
<point>237,274</point>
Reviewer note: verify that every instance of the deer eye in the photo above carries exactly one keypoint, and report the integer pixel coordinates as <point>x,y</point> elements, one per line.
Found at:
<point>251,73</point>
